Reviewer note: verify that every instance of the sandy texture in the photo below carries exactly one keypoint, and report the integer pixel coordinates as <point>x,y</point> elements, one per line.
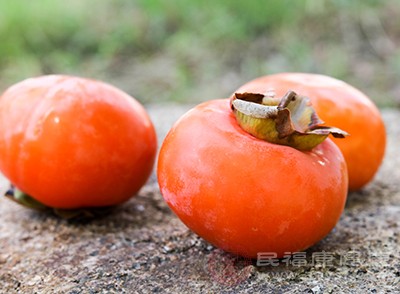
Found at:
<point>141,247</point>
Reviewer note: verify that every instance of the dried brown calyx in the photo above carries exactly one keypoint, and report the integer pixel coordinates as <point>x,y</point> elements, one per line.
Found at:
<point>290,121</point>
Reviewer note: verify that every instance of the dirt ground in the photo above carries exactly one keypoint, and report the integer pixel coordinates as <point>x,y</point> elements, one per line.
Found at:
<point>141,246</point>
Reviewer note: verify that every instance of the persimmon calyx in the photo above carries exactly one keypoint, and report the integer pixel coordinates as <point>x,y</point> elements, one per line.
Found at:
<point>290,121</point>
<point>25,200</point>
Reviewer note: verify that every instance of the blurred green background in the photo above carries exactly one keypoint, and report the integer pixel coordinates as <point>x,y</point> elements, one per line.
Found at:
<point>192,51</point>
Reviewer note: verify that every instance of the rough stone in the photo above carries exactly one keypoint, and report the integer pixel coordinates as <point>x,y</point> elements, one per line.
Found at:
<point>142,247</point>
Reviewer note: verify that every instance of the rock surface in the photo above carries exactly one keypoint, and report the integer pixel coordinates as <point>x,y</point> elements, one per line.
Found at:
<point>141,246</point>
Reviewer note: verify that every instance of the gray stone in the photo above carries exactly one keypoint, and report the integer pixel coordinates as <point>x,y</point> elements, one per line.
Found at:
<point>142,247</point>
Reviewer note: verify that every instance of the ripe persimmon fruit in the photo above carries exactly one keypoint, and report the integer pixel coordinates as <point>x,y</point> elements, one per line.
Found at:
<point>226,181</point>
<point>71,142</point>
<point>341,105</point>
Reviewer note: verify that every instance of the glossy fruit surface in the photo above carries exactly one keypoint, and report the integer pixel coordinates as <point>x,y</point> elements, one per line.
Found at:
<point>246,195</point>
<point>341,105</point>
<point>71,142</point>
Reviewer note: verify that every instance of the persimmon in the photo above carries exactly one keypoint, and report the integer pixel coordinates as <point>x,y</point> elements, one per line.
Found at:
<point>233,177</point>
<point>70,142</point>
<point>341,105</point>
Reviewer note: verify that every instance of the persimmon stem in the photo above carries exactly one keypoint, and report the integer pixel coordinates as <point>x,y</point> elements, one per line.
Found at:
<point>292,121</point>
<point>287,98</point>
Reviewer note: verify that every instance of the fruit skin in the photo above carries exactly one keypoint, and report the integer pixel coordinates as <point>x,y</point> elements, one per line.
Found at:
<point>341,105</point>
<point>246,195</point>
<point>71,142</point>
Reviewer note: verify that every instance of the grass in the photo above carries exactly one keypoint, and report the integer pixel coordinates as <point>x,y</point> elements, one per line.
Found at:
<point>191,51</point>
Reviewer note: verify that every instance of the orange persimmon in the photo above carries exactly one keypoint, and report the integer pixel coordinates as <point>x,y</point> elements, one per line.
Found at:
<point>341,105</point>
<point>71,142</point>
<point>244,194</point>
